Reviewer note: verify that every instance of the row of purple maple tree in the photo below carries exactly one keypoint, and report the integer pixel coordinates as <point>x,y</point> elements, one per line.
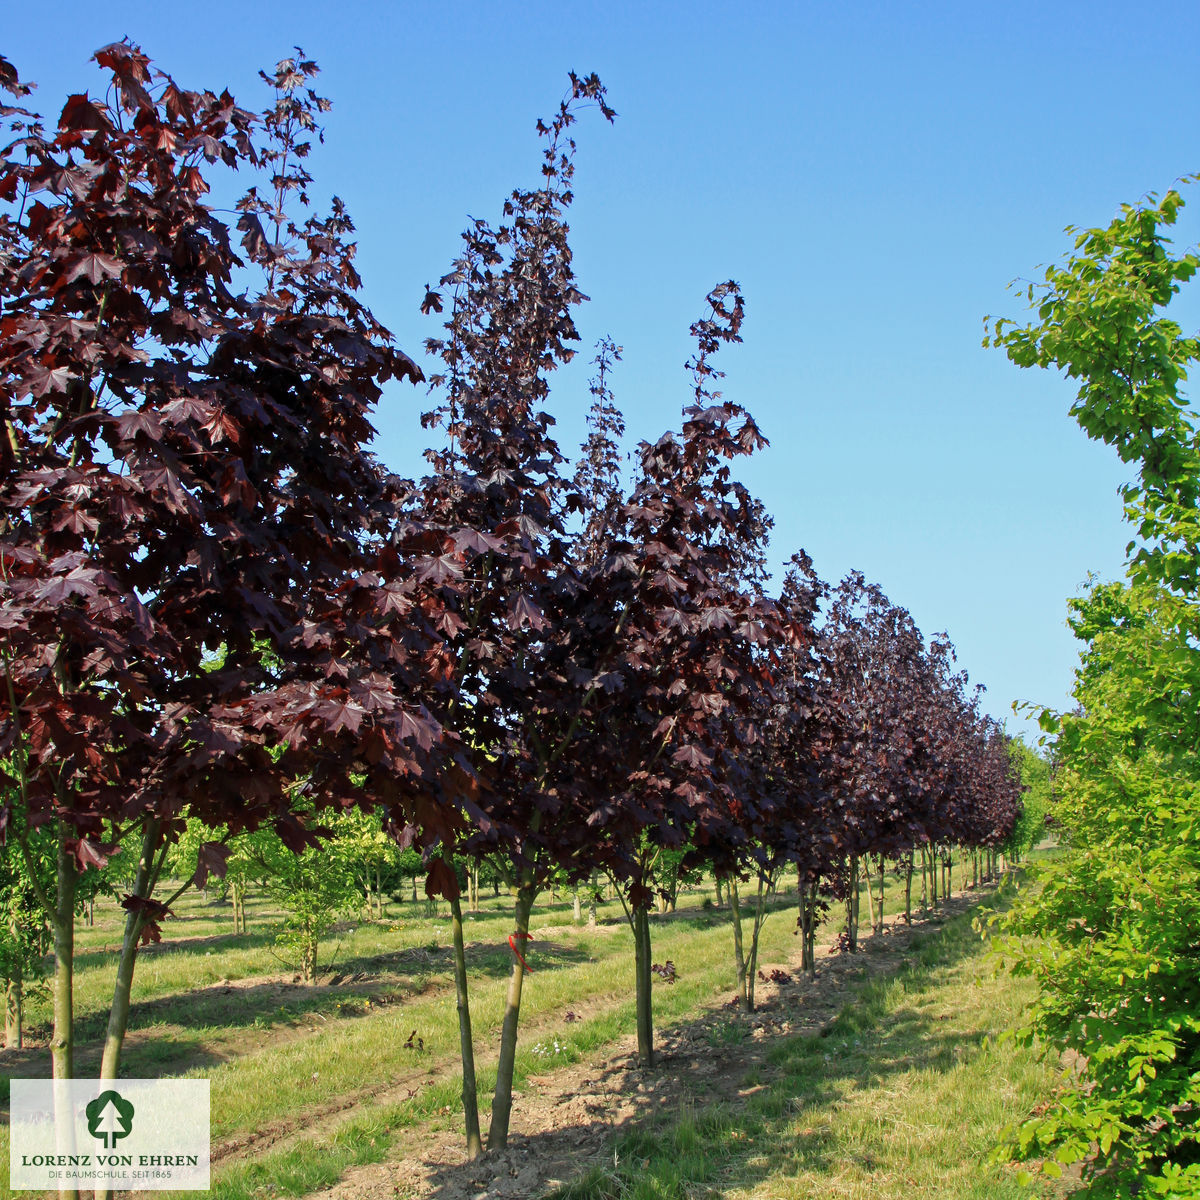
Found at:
<point>216,605</point>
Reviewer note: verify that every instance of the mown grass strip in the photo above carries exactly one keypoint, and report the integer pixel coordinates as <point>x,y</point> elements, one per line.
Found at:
<point>900,1098</point>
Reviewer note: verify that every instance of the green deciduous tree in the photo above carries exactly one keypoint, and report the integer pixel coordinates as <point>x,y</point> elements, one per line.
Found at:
<point>1034,771</point>
<point>1117,955</point>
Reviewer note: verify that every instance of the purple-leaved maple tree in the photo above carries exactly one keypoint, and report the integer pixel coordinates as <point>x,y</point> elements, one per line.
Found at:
<point>187,511</point>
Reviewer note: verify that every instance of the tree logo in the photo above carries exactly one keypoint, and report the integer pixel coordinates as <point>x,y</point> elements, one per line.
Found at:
<point>110,1117</point>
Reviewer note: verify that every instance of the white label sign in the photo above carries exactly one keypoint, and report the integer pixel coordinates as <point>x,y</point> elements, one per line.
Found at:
<point>133,1134</point>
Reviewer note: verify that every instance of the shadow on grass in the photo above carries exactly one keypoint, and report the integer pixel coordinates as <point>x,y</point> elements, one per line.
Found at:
<point>191,1030</point>
<point>146,1060</point>
<point>190,947</point>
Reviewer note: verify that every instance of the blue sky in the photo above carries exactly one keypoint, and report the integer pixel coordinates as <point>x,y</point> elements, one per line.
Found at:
<point>873,175</point>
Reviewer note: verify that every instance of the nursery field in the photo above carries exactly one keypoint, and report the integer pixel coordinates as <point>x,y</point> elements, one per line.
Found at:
<point>881,1077</point>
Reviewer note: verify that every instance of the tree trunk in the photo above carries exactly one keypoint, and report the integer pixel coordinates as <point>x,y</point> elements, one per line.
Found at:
<point>643,981</point>
<point>62,1048</point>
<point>14,1001</point>
<point>908,874</point>
<point>576,906</point>
<point>808,928</point>
<point>118,1015</point>
<point>879,922</point>
<point>502,1098</point>
<point>470,1096</point>
<point>717,881</point>
<point>852,906</point>
<point>309,946</point>
<point>866,874</point>
<point>593,898</point>
<point>752,965</point>
<point>739,958</point>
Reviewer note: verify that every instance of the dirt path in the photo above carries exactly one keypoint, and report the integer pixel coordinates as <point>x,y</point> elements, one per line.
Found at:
<point>564,1121</point>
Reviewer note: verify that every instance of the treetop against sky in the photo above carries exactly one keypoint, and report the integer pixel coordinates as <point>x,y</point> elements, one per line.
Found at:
<point>872,178</point>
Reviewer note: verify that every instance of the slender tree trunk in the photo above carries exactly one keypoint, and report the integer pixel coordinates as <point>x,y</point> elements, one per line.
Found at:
<point>908,874</point>
<point>118,1015</point>
<point>852,906</point>
<point>808,928</point>
<point>802,918</point>
<point>593,894</point>
<point>308,957</point>
<point>643,981</point>
<point>502,1098</point>
<point>470,1096</point>
<point>717,881</point>
<point>576,906</point>
<point>739,957</point>
<point>879,923</point>
<point>752,965</point>
<point>62,1048</point>
<point>866,874</point>
<point>813,910</point>
<point>14,998</point>
<point>857,905</point>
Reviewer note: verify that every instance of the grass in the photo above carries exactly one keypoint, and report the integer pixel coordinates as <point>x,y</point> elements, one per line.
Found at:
<point>900,1098</point>
<point>292,1057</point>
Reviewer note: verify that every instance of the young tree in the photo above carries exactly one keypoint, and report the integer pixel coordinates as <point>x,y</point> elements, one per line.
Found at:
<point>520,685</point>
<point>183,472</point>
<point>1034,772</point>
<point>314,887</point>
<point>799,737</point>
<point>1118,975</point>
<point>693,646</point>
